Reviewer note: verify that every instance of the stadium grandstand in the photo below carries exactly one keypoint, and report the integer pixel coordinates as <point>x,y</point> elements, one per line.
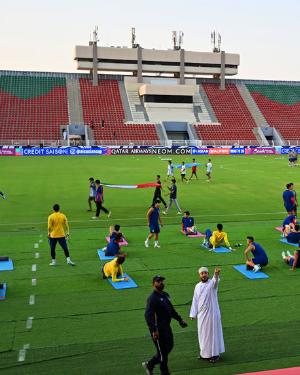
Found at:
<point>153,98</point>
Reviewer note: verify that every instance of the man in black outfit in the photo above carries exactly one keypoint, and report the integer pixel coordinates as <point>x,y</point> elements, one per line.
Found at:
<point>157,192</point>
<point>158,315</point>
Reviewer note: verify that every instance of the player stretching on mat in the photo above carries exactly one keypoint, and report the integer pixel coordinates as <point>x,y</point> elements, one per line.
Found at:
<point>293,261</point>
<point>260,257</point>
<point>188,224</point>
<point>292,235</point>
<point>113,231</point>
<point>153,216</point>
<point>56,233</point>
<point>114,248</point>
<point>194,169</point>
<point>290,221</point>
<point>113,269</point>
<point>213,240</point>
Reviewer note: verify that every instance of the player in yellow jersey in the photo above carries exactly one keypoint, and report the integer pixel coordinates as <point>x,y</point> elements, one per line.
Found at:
<point>56,224</point>
<point>113,269</point>
<point>213,240</point>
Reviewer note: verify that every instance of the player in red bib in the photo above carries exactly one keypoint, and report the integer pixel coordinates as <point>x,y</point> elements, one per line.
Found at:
<point>194,169</point>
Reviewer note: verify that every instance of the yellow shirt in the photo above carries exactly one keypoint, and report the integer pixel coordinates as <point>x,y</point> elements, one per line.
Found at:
<point>111,270</point>
<point>56,223</point>
<point>218,237</point>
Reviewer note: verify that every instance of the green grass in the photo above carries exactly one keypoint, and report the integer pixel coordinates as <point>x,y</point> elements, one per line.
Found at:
<point>82,325</point>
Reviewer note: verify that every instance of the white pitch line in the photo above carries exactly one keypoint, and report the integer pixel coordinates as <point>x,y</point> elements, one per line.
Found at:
<point>37,255</point>
<point>33,268</point>
<point>32,299</point>
<point>40,240</point>
<point>22,353</point>
<point>165,217</point>
<point>33,282</point>
<point>29,322</point>
<point>36,245</point>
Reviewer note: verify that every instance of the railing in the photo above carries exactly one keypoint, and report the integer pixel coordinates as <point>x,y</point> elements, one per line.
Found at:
<point>292,143</point>
<point>225,142</point>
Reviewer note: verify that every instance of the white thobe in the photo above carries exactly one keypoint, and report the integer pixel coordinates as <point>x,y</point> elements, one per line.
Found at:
<point>205,304</point>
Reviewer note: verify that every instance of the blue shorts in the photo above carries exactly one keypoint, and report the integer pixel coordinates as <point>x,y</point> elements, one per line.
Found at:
<point>263,261</point>
<point>295,208</point>
<point>154,228</point>
<point>289,208</point>
<point>208,234</point>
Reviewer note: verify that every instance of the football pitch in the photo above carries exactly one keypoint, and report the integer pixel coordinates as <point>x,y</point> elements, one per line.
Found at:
<point>67,320</point>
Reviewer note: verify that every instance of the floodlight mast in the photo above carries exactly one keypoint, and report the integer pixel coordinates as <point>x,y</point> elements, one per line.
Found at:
<point>95,35</point>
<point>133,37</point>
<point>177,39</point>
<point>216,41</point>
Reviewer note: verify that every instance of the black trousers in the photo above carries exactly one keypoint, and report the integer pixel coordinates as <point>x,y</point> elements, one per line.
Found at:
<point>63,244</point>
<point>100,207</point>
<point>164,346</point>
<point>157,195</point>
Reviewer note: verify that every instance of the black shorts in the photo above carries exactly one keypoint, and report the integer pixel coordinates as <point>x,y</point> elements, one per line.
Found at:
<point>194,172</point>
<point>182,174</point>
<point>91,199</point>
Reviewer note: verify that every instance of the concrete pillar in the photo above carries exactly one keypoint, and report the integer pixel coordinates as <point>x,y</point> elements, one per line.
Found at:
<point>95,65</point>
<point>182,67</point>
<point>222,87</point>
<point>140,64</point>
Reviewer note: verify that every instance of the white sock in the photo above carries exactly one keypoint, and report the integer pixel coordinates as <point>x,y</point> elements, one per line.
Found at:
<point>68,259</point>
<point>53,261</point>
<point>156,243</point>
<point>147,240</point>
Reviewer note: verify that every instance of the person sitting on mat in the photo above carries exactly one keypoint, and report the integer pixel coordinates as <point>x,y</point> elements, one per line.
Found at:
<point>292,235</point>
<point>113,248</point>
<point>293,261</point>
<point>213,240</point>
<point>114,269</point>
<point>260,257</point>
<point>188,225</point>
<point>289,221</point>
<point>113,231</point>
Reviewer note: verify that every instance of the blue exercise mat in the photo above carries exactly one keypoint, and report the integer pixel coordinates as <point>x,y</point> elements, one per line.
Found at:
<point>123,284</point>
<point>220,249</point>
<point>289,243</point>
<point>103,257</point>
<point>250,274</point>
<point>6,265</point>
<point>3,292</point>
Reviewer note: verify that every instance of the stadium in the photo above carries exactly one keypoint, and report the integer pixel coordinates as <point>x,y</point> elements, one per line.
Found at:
<point>120,119</point>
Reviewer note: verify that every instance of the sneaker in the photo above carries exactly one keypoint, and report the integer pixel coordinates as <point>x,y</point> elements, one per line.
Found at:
<point>256,268</point>
<point>187,181</point>
<point>4,196</point>
<point>289,254</point>
<point>71,263</point>
<point>283,255</point>
<point>179,213</point>
<point>95,217</point>
<point>147,368</point>
<point>204,243</point>
<point>157,246</point>
<point>146,243</point>
<point>104,249</point>
<point>207,180</point>
<point>165,213</point>
<point>89,210</point>
<point>52,264</point>
<point>282,235</point>
<point>109,213</point>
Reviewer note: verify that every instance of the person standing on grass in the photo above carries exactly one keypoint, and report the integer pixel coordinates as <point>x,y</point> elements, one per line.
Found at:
<point>99,201</point>
<point>290,156</point>
<point>205,306</point>
<point>260,257</point>
<point>56,224</point>
<point>173,198</point>
<point>295,198</point>
<point>157,192</point>
<point>194,169</point>
<point>159,313</point>
<point>208,169</point>
<point>288,199</point>
<point>183,173</point>
<point>92,193</point>
<point>170,170</point>
<point>153,217</point>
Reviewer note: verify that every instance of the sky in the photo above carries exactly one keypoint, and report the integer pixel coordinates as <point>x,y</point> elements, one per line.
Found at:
<point>41,35</point>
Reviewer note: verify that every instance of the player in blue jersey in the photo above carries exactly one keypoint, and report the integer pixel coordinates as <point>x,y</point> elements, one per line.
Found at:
<point>292,235</point>
<point>290,222</point>
<point>288,199</point>
<point>188,225</point>
<point>260,257</point>
<point>114,248</point>
<point>173,197</point>
<point>293,261</point>
<point>99,201</point>
<point>113,231</point>
<point>153,217</point>
<point>295,198</point>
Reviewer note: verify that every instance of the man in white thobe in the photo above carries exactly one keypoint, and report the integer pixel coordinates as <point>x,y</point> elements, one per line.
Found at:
<point>205,304</point>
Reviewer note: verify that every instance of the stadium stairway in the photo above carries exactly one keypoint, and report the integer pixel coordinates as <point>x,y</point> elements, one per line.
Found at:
<point>74,102</point>
<point>212,115</point>
<point>200,111</point>
<point>124,98</point>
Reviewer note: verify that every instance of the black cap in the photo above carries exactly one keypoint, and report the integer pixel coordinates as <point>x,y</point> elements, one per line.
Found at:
<point>157,278</point>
